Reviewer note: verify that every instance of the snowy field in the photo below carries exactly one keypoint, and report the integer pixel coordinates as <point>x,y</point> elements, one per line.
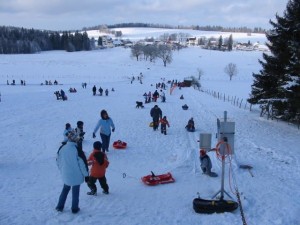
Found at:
<point>33,122</point>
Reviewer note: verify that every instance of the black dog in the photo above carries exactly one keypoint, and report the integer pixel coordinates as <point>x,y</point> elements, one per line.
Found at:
<point>139,104</point>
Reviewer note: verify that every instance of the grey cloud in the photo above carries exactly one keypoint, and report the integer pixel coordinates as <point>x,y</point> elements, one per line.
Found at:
<point>74,13</point>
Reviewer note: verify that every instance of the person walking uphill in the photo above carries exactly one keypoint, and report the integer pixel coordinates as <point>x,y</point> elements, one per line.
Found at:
<point>156,115</point>
<point>73,167</point>
<point>163,125</point>
<point>99,163</point>
<point>106,125</point>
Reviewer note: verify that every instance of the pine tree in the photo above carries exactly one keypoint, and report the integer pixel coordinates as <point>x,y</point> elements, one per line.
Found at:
<point>277,81</point>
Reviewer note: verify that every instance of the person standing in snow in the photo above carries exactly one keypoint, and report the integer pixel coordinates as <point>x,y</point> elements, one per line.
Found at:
<point>163,96</point>
<point>79,131</point>
<point>163,125</point>
<point>94,89</point>
<point>99,162</point>
<point>206,164</point>
<point>72,164</point>
<point>156,115</point>
<point>106,125</point>
<point>68,128</point>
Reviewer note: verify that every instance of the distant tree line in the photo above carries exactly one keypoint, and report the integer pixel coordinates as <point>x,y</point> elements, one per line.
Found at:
<point>277,84</point>
<point>15,40</point>
<point>196,27</point>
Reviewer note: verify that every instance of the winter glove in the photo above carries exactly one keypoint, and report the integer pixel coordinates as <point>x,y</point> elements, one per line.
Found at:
<point>113,130</point>
<point>94,135</point>
<point>86,179</point>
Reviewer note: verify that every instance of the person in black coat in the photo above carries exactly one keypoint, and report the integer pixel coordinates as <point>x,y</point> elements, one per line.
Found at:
<point>94,90</point>
<point>191,125</point>
<point>156,115</point>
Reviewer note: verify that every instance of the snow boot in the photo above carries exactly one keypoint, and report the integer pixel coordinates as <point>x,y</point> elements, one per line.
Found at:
<point>93,192</point>
<point>74,211</point>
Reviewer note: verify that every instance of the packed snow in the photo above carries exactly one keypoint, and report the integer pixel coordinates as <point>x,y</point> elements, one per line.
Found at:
<point>32,131</point>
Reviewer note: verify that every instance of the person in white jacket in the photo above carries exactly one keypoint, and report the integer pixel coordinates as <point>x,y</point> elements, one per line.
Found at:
<point>72,164</point>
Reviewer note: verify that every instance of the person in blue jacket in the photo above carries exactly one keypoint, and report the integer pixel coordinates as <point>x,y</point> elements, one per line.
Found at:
<point>106,125</point>
<point>72,164</point>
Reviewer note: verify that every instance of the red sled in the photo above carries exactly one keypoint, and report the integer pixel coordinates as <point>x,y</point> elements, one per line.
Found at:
<point>158,179</point>
<point>119,144</point>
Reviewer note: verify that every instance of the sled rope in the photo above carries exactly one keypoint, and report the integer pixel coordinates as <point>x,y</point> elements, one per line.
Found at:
<point>236,193</point>
<point>241,207</point>
<point>125,175</point>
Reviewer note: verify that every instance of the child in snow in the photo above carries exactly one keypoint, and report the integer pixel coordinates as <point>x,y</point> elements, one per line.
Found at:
<point>99,162</point>
<point>68,128</point>
<point>206,164</point>
<point>163,125</point>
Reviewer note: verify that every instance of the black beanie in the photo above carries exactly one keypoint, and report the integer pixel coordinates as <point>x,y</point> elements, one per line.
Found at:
<point>97,145</point>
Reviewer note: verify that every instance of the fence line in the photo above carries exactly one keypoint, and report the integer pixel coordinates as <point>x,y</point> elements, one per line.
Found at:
<point>234,100</point>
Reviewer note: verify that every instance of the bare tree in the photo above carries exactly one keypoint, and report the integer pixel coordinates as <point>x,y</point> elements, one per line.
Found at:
<point>231,70</point>
<point>165,53</point>
<point>137,50</point>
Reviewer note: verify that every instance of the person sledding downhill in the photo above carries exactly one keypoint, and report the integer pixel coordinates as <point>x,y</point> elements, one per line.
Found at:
<point>99,162</point>
<point>156,115</point>
<point>163,125</point>
<point>190,125</point>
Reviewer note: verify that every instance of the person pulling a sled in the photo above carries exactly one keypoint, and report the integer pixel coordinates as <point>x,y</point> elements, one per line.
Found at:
<point>99,162</point>
<point>156,115</point>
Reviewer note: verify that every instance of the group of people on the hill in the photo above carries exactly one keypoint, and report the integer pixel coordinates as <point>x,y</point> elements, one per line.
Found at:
<point>74,166</point>
<point>61,95</point>
<point>152,97</point>
<point>94,90</point>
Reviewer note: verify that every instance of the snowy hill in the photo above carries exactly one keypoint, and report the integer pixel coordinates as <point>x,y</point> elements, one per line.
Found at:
<point>136,34</point>
<point>33,121</point>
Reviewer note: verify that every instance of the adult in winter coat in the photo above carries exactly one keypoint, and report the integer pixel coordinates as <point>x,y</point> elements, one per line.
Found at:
<point>155,95</point>
<point>106,125</point>
<point>156,115</point>
<point>99,162</point>
<point>205,162</point>
<point>94,89</point>
<point>72,165</point>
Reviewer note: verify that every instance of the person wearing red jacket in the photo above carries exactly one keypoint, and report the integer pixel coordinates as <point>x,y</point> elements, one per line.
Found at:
<point>99,162</point>
<point>163,125</point>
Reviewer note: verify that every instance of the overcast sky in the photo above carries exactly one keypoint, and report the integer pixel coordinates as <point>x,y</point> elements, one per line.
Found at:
<point>76,14</point>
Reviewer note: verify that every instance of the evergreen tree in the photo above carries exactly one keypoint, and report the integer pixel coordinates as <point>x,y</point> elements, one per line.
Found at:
<point>278,81</point>
<point>230,43</point>
<point>220,42</point>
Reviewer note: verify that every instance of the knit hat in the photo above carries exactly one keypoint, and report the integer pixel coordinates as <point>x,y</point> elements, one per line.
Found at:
<point>72,136</point>
<point>202,152</point>
<point>79,123</point>
<point>68,126</point>
<point>97,145</point>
